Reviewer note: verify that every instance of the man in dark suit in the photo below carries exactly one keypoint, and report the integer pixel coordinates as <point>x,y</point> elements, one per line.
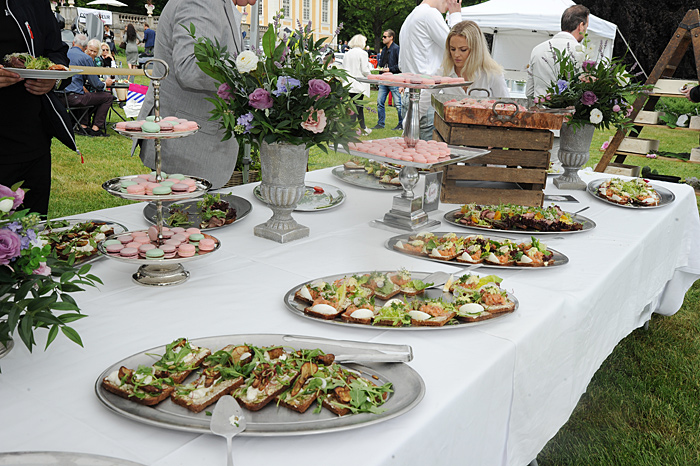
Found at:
<point>388,61</point>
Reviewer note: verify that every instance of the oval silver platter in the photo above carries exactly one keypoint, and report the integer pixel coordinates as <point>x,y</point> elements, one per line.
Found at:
<point>60,458</point>
<point>272,420</point>
<point>666,195</point>
<point>118,229</point>
<point>559,258</point>
<point>297,307</point>
<point>143,261</point>
<point>242,206</point>
<point>588,225</point>
<point>311,201</point>
<point>362,179</point>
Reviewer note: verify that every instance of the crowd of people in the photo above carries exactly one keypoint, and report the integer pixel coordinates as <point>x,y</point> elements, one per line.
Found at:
<point>433,39</point>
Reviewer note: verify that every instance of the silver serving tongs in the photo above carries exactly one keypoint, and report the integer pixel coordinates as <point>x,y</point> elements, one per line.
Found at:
<point>376,352</point>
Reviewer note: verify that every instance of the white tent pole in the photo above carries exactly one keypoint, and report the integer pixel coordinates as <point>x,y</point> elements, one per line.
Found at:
<point>633,55</point>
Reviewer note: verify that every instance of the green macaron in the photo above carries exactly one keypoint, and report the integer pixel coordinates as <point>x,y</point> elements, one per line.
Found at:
<point>161,190</point>
<point>155,254</point>
<point>150,127</point>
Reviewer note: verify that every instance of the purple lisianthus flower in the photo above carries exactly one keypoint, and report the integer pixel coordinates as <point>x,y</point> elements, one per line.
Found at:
<point>589,98</point>
<point>285,84</point>
<point>319,87</point>
<point>224,92</point>
<point>562,85</point>
<point>10,246</point>
<point>588,65</point>
<point>260,99</point>
<point>246,122</point>
<point>17,195</point>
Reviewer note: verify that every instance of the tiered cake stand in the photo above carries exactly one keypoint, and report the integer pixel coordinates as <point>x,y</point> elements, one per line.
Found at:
<point>158,272</point>
<point>407,210</point>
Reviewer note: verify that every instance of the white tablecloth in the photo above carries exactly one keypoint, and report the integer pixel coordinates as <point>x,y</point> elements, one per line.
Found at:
<point>495,393</point>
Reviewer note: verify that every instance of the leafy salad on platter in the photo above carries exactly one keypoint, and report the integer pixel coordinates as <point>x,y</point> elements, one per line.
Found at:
<point>212,212</point>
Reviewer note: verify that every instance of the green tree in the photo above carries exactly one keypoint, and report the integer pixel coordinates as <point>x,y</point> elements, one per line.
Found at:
<point>372,17</point>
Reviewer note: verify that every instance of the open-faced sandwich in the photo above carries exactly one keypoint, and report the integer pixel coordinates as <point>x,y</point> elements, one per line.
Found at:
<point>140,385</point>
<point>516,217</point>
<point>637,192</point>
<point>79,241</point>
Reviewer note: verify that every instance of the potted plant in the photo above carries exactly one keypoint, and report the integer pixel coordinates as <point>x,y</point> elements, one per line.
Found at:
<point>284,101</point>
<point>598,93</point>
<point>35,286</point>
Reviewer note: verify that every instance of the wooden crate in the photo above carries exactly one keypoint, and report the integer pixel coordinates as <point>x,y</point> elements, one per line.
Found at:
<point>515,171</point>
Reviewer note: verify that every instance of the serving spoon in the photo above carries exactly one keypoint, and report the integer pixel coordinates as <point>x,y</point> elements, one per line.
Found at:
<point>227,421</point>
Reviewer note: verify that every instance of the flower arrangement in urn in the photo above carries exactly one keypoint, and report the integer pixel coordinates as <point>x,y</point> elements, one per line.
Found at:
<point>290,93</point>
<point>599,92</point>
<point>35,285</point>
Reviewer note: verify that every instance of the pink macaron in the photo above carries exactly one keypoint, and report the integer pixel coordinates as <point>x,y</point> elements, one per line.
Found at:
<point>138,233</point>
<point>207,244</point>
<point>133,244</point>
<point>136,189</point>
<point>144,248</point>
<point>125,239</point>
<point>169,250</point>
<point>130,253</point>
<point>186,250</point>
<point>114,248</point>
<point>142,239</point>
<point>153,233</point>
<point>191,231</point>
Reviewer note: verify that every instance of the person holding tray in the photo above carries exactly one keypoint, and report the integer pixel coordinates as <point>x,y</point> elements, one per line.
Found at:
<point>467,56</point>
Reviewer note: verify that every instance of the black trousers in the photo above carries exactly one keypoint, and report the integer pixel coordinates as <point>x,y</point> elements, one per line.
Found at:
<point>36,175</point>
<point>360,111</point>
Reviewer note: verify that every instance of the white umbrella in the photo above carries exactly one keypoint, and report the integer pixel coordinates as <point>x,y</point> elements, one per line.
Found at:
<point>107,2</point>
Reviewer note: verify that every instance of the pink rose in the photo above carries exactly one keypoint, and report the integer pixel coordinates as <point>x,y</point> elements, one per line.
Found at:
<point>319,87</point>
<point>10,246</point>
<point>43,269</point>
<point>605,145</point>
<point>224,92</point>
<point>17,195</point>
<point>616,108</point>
<point>260,99</point>
<point>315,125</point>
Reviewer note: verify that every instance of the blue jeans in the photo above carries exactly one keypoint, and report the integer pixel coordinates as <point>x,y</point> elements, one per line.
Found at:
<point>381,98</point>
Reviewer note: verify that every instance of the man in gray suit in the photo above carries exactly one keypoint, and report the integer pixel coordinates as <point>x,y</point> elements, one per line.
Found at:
<point>183,92</point>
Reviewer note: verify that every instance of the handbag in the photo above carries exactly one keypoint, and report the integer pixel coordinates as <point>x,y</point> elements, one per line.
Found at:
<point>122,45</point>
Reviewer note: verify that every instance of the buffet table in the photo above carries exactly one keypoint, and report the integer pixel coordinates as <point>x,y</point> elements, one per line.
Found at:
<point>495,393</point>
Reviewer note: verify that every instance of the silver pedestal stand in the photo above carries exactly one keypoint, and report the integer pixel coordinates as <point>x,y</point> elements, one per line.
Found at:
<point>166,271</point>
<point>407,210</point>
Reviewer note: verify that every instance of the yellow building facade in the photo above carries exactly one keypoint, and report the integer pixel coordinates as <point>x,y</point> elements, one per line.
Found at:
<point>323,14</point>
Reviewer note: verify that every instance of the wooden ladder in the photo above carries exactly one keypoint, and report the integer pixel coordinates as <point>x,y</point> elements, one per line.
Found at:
<point>688,33</point>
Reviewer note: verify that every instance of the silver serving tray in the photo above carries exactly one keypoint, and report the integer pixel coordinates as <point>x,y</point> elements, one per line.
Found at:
<point>413,86</point>
<point>457,154</point>
<point>60,458</point>
<point>363,179</point>
<point>118,229</point>
<point>297,307</point>
<point>588,225</point>
<point>311,201</point>
<point>272,420</point>
<point>666,195</point>
<point>161,135</point>
<point>559,258</point>
<point>113,187</point>
<point>242,206</point>
<point>143,261</point>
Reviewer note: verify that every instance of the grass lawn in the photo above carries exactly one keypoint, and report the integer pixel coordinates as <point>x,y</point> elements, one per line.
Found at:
<point>643,405</point>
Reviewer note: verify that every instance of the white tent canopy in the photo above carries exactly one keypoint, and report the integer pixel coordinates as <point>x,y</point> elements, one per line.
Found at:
<point>519,25</point>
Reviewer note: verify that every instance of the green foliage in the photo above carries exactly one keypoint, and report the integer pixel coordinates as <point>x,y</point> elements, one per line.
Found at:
<point>289,94</point>
<point>598,92</point>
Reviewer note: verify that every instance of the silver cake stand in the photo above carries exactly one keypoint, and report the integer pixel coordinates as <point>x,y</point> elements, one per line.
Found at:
<point>407,209</point>
<point>160,272</point>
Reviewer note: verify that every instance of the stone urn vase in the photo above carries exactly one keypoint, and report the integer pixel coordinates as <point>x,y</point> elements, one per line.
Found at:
<point>283,168</point>
<point>574,147</point>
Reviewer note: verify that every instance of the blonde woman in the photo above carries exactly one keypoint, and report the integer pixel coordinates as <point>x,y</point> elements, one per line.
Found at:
<point>467,55</point>
<point>356,63</point>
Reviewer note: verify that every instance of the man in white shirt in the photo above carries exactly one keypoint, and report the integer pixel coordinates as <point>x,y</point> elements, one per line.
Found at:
<point>542,70</point>
<point>422,37</point>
